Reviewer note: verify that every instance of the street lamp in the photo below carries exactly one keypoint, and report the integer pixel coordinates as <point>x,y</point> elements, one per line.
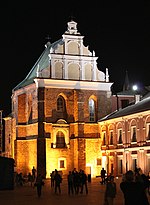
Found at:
<point>135,88</point>
<point>137,96</point>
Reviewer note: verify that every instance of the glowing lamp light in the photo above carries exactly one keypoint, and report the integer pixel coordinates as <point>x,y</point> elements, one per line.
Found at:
<point>134,87</point>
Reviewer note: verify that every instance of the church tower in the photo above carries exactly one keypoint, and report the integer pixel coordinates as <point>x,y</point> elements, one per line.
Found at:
<point>57,107</point>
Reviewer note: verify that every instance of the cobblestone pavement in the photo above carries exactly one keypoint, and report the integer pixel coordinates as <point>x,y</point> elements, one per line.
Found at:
<point>27,195</point>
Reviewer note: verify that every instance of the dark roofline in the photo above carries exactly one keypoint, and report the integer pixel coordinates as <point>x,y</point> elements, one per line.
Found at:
<point>141,106</point>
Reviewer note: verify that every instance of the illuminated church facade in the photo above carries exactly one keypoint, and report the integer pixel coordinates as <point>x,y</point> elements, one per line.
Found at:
<point>62,115</point>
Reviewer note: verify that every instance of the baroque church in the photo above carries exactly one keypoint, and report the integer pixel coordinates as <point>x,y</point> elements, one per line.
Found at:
<point>57,106</point>
<point>65,115</point>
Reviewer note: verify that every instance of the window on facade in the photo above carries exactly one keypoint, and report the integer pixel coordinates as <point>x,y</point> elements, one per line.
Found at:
<point>60,140</point>
<point>120,166</point>
<point>61,164</point>
<point>111,138</point>
<point>120,137</point>
<point>104,138</point>
<point>148,132</point>
<point>134,164</point>
<point>99,162</point>
<point>134,134</point>
<point>60,103</point>
<point>92,110</point>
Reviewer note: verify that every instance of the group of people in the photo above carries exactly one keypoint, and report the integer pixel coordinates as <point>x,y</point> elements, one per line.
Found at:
<point>56,180</point>
<point>77,181</point>
<point>20,179</point>
<point>135,186</point>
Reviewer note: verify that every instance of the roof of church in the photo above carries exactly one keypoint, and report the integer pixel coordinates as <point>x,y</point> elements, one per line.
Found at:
<point>42,63</point>
<point>140,106</point>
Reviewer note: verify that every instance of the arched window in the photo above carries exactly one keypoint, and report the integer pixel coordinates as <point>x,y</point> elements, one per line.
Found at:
<point>104,139</point>
<point>60,140</point>
<point>111,138</point>
<point>148,132</point>
<point>133,132</point>
<point>120,136</point>
<point>60,104</point>
<point>91,110</point>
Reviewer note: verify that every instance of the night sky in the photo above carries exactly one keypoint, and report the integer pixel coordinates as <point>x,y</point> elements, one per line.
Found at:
<point>119,33</point>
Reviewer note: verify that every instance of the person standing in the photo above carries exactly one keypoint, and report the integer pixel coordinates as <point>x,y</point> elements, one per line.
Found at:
<point>148,177</point>
<point>70,183</point>
<point>39,183</point>
<point>76,180</point>
<point>110,192</point>
<point>133,191</point>
<point>103,175</point>
<point>30,178</point>
<point>52,178</point>
<point>83,180</point>
<point>58,181</point>
<point>34,173</point>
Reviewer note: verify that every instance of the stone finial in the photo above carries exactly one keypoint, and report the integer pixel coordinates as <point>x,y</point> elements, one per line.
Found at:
<point>107,75</point>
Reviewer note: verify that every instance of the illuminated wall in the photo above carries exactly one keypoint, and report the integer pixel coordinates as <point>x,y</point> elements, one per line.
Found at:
<point>26,155</point>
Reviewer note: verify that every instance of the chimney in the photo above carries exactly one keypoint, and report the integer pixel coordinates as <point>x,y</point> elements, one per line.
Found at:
<point>137,98</point>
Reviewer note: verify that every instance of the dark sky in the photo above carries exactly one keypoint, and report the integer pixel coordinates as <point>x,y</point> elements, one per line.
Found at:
<point>119,33</point>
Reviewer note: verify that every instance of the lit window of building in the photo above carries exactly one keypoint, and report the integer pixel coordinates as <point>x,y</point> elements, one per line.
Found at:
<point>92,110</point>
<point>111,137</point>
<point>133,134</point>
<point>62,163</point>
<point>120,136</point>
<point>104,139</point>
<point>60,103</point>
<point>148,132</point>
<point>60,140</point>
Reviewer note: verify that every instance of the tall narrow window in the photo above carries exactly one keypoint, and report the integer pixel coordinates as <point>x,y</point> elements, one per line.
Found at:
<point>60,103</point>
<point>120,137</point>
<point>120,166</point>
<point>92,110</point>
<point>62,164</point>
<point>148,132</point>
<point>60,140</point>
<point>104,138</point>
<point>134,134</point>
<point>111,138</point>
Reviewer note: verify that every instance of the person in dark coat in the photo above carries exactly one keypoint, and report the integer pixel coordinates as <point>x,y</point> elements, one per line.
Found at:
<point>83,182</point>
<point>103,176</point>
<point>76,180</point>
<point>52,178</point>
<point>133,191</point>
<point>110,191</point>
<point>39,183</point>
<point>58,181</point>
<point>70,183</point>
<point>34,173</point>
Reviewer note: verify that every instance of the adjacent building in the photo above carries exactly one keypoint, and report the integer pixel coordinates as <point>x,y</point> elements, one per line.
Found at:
<point>126,137</point>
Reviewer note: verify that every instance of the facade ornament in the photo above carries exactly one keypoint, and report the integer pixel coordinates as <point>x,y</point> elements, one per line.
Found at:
<point>107,75</point>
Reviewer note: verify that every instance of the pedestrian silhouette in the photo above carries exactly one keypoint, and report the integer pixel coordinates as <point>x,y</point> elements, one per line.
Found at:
<point>103,175</point>
<point>133,191</point>
<point>30,179</point>
<point>52,178</point>
<point>83,182</point>
<point>58,181</point>
<point>39,183</point>
<point>34,173</point>
<point>110,191</point>
<point>70,183</point>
